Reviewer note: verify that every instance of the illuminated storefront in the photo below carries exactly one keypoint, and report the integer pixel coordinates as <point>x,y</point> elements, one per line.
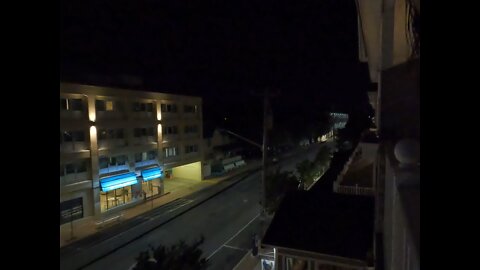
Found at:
<point>116,190</point>
<point>152,184</point>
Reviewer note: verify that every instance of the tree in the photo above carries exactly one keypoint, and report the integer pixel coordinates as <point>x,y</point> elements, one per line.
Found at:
<point>306,170</point>
<point>311,171</point>
<point>277,185</point>
<point>177,257</point>
<point>324,156</point>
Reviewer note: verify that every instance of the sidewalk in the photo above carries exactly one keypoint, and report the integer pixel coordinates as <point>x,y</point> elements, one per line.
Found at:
<point>250,262</point>
<point>89,227</point>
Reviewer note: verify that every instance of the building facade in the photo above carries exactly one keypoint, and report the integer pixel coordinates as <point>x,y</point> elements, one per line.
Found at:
<point>117,147</point>
<point>389,41</point>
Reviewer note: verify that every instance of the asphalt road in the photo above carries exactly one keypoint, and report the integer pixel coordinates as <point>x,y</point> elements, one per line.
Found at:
<point>227,221</point>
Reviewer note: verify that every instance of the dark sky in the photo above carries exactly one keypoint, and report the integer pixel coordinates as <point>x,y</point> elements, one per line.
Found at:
<point>222,51</point>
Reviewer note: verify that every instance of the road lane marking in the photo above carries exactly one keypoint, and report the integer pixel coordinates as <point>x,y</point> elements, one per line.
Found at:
<point>233,236</point>
<point>237,248</point>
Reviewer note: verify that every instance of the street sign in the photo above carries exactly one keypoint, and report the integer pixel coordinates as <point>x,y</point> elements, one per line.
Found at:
<point>71,210</point>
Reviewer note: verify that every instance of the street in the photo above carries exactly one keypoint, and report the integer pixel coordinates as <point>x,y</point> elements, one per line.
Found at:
<point>227,221</point>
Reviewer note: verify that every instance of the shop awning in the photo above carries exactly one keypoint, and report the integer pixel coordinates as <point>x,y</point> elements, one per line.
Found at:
<point>152,173</point>
<point>118,181</point>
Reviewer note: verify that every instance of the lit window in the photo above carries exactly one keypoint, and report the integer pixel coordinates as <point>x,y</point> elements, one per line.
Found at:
<point>109,105</point>
<point>170,151</point>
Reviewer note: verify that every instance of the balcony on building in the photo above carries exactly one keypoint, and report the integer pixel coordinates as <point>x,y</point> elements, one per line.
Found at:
<point>74,141</point>
<point>357,177</point>
<point>191,112</point>
<point>144,136</point>
<point>75,175</point>
<point>144,110</point>
<point>73,107</point>
<point>110,109</point>
<point>170,110</point>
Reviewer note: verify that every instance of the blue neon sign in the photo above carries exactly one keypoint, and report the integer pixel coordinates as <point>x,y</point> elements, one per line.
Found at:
<point>118,181</point>
<point>152,173</point>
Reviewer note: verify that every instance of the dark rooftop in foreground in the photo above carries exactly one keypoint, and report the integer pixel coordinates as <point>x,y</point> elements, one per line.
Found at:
<point>333,224</point>
<point>325,222</point>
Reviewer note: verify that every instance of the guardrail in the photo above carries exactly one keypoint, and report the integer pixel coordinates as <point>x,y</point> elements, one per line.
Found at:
<point>356,190</point>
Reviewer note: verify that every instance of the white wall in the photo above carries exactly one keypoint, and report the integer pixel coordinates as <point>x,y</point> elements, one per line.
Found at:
<point>191,171</point>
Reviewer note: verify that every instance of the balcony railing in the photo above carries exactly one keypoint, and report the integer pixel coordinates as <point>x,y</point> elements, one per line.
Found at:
<point>80,115</point>
<point>143,115</point>
<point>73,178</point>
<point>112,143</point>
<point>144,140</point>
<point>146,163</point>
<point>69,147</point>
<point>356,190</point>
<point>112,169</point>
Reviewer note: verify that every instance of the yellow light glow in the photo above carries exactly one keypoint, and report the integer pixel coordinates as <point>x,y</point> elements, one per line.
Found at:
<point>93,133</point>
<point>192,171</point>
<point>91,116</point>
<point>159,132</point>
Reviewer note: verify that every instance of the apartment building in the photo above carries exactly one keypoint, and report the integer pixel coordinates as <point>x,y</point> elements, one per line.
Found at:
<point>118,147</point>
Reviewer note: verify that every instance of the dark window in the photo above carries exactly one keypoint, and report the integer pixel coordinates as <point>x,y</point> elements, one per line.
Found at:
<point>170,130</point>
<point>62,170</point>
<point>71,104</point>
<point>151,131</point>
<point>64,104</point>
<point>190,129</point>
<point>143,132</point>
<point>81,167</point>
<point>78,136</point>
<point>149,107</point>
<point>111,134</point>
<point>138,157</point>
<point>100,105</point>
<point>191,148</point>
<point>103,162</point>
<point>151,155</point>
<point>136,106</point>
<point>169,108</point>
<point>76,104</point>
<point>69,169</point>
<point>102,134</point>
<point>113,161</point>
<point>120,134</point>
<point>122,160</point>
<point>67,137</point>
<point>137,132</point>
<point>190,108</point>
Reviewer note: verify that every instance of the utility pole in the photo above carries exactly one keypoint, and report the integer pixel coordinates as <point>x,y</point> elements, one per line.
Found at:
<point>267,124</point>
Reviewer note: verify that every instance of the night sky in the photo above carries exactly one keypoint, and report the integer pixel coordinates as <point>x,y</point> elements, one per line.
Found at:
<point>307,51</point>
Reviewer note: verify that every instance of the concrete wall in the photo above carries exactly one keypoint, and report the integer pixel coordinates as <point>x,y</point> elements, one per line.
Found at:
<point>400,102</point>
<point>191,171</point>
